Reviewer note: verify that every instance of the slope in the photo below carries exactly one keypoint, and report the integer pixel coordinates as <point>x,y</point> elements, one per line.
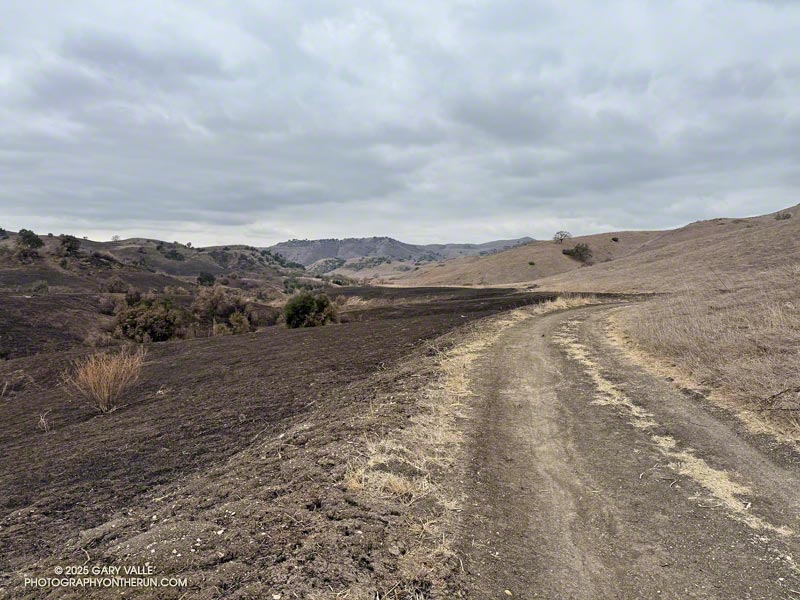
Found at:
<point>721,251</point>
<point>514,265</point>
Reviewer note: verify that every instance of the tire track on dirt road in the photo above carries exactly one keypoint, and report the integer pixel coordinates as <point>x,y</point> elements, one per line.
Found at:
<point>592,478</point>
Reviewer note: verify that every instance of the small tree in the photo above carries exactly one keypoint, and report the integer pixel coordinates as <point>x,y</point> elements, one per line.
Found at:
<point>3,234</point>
<point>115,238</point>
<point>560,236</point>
<point>69,245</point>
<point>206,279</point>
<point>307,310</point>
<point>29,240</point>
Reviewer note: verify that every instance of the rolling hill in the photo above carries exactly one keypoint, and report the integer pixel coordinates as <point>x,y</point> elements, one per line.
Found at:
<point>308,252</point>
<point>640,261</point>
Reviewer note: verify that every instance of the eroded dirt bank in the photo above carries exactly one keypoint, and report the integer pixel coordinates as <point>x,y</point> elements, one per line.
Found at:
<point>591,478</point>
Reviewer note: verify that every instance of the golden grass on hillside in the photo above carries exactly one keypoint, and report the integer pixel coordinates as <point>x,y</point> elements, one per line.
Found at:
<point>741,336</point>
<point>102,378</point>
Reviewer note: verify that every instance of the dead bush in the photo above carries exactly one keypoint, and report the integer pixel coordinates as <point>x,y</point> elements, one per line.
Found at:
<point>107,305</point>
<point>102,378</point>
<point>115,285</point>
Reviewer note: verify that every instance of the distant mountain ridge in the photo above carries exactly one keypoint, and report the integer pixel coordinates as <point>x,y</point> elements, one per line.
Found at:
<point>307,252</point>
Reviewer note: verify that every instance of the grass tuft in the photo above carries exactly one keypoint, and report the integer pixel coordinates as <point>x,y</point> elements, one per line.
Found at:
<point>102,378</point>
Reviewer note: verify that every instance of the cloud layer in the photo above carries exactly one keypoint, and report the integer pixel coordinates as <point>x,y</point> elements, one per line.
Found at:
<point>431,122</point>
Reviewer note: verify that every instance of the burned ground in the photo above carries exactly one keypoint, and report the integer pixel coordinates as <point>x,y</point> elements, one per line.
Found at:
<point>199,402</point>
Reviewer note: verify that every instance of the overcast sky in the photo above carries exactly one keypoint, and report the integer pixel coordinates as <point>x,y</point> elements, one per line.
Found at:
<point>253,122</point>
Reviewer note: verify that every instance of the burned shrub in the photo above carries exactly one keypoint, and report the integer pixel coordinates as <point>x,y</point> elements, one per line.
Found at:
<point>216,306</point>
<point>39,288</point>
<point>309,310</point>
<point>107,305</point>
<point>206,279</point>
<point>216,303</point>
<point>239,322</point>
<point>132,296</point>
<point>260,315</point>
<point>149,321</point>
<point>115,285</point>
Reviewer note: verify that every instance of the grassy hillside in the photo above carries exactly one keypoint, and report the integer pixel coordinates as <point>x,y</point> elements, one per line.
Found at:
<point>513,266</point>
<point>718,253</point>
<point>728,321</point>
<point>640,261</point>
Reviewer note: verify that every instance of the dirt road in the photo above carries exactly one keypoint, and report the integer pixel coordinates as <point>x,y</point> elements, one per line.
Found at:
<point>592,478</point>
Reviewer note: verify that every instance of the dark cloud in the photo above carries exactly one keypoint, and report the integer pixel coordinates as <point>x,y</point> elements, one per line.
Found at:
<point>255,121</point>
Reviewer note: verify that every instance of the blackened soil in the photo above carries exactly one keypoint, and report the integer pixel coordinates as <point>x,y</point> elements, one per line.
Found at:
<point>197,403</point>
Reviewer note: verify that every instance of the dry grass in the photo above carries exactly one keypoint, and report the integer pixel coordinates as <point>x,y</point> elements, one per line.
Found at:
<point>102,378</point>
<point>739,335</point>
<point>44,423</point>
<point>718,253</point>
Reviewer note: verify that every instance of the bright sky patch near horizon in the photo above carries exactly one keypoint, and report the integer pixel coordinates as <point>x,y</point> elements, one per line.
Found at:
<point>254,122</point>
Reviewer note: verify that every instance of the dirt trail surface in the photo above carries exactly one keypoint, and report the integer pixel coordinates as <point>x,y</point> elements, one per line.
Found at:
<point>591,478</point>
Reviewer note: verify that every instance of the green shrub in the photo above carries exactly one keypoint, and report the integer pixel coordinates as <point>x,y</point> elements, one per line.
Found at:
<point>783,216</point>
<point>149,321</point>
<point>281,260</point>
<point>532,263</point>
<point>173,254</point>
<point>307,310</point>
<point>69,245</point>
<point>614,239</point>
<point>3,234</point>
<point>29,240</point>
<point>580,252</point>
<point>206,279</point>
